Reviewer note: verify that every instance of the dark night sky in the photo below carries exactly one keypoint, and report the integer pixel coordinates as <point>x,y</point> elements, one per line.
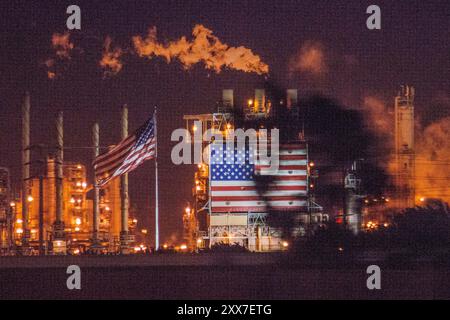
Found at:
<point>412,47</point>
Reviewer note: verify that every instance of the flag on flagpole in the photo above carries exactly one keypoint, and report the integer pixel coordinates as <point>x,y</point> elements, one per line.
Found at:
<point>129,154</point>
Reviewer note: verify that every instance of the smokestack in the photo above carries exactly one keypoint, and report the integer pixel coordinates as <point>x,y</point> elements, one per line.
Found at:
<point>227,98</point>
<point>291,98</point>
<point>25,167</point>
<point>124,237</point>
<point>96,212</point>
<point>260,100</point>
<point>58,228</point>
<point>404,146</point>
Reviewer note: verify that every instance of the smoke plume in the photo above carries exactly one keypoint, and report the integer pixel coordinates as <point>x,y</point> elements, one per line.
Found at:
<point>204,47</point>
<point>432,149</point>
<point>62,47</point>
<point>433,161</point>
<point>110,61</point>
<point>310,59</point>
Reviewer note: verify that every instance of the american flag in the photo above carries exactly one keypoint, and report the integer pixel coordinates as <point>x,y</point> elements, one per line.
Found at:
<point>233,180</point>
<point>129,154</point>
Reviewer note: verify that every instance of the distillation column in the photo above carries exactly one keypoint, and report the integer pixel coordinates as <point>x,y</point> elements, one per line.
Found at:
<point>124,233</point>
<point>59,241</point>
<point>25,170</point>
<point>404,146</point>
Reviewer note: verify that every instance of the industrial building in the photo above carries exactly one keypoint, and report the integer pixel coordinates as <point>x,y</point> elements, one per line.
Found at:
<point>206,224</point>
<point>54,212</point>
<point>77,209</point>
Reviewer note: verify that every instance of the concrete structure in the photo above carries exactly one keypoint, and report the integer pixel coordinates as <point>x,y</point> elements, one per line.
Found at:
<point>59,239</point>
<point>125,239</point>
<point>404,146</point>
<point>96,197</point>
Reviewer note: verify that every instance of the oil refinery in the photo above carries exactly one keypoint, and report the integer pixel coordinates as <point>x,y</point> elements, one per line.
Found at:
<point>59,211</point>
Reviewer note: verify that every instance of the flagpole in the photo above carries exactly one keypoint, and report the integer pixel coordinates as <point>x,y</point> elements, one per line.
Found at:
<point>156,186</point>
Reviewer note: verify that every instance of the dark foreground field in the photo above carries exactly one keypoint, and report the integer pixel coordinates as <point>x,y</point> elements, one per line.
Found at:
<point>213,277</point>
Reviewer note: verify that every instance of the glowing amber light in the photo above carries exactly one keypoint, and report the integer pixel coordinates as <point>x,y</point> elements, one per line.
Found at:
<point>30,198</point>
<point>250,102</point>
<point>183,247</point>
<point>77,221</point>
<point>19,230</point>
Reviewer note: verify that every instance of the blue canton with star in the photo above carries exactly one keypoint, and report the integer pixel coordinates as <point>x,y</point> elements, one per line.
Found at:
<point>146,132</point>
<point>228,163</point>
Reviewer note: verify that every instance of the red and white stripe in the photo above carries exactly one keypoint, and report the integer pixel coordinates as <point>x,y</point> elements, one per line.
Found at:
<point>286,192</point>
<point>123,158</point>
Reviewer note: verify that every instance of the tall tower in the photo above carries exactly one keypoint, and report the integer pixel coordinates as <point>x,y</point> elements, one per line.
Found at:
<point>404,146</point>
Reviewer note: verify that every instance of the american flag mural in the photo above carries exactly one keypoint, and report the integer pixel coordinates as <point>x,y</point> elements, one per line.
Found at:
<point>233,180</point>
<point>129,154</point>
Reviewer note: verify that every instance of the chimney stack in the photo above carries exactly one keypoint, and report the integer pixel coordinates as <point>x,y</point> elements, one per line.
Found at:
<point>227,98</point>
<point>291,98</point>
<point>260,101</point>
<point>58,227</point>
<point>25,167</point>
<point>124,232</point>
